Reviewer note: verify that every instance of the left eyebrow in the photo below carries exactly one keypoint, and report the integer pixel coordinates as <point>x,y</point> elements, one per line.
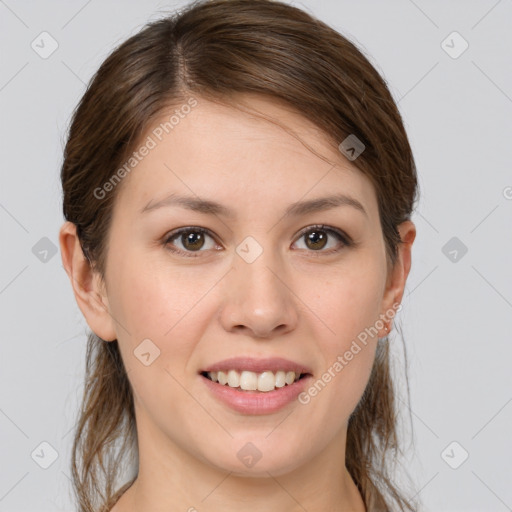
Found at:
<point>323,203</point>
<point>295,209</point>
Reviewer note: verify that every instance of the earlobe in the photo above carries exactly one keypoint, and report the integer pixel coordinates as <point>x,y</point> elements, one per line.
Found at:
<point>87,285</point>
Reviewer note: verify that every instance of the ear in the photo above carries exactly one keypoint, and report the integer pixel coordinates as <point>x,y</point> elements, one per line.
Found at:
<point>88,287</point>
<point>398,275</point>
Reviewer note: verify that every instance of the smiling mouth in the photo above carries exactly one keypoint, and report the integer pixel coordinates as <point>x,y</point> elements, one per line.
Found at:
<point>247,381</point>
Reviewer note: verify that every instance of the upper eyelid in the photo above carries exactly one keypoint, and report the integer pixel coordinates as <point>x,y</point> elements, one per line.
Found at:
<point>179,231</point>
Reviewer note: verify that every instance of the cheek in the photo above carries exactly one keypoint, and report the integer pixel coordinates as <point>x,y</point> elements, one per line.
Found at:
<point>347,336</point>
<point>349,304</point>
<point>168,306</point>
<point>164,317</point>
<point>156,300</point>
<point>335,392</point>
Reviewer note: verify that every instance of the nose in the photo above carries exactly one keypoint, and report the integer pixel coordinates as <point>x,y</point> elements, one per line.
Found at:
<point>257,299</point>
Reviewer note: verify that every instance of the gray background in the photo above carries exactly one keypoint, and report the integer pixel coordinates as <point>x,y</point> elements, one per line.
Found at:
<point>458,113</point>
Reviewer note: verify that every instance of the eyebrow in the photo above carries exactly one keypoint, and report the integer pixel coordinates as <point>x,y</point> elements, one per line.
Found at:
<point>295,209</point>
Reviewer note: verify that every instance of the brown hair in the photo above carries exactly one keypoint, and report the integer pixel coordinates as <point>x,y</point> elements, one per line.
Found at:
<point>215,49</point>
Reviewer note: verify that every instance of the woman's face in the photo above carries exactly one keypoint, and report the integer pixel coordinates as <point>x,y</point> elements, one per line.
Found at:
<point>258,283</point>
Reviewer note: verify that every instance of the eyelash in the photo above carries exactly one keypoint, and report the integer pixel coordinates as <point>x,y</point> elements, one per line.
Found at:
<point>342,237</point>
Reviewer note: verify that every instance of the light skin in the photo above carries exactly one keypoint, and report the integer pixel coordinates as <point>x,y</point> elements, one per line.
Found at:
<point>299,301</point>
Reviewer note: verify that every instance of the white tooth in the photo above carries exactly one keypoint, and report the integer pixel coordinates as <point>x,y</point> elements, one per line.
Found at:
<point>249,381</point>
<point>290,377</point>
<point>233,379</point>
<point>266,381</point>
<point>280,379</point>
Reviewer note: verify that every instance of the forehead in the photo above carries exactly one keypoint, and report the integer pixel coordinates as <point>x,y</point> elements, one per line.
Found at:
<point>220,152</point>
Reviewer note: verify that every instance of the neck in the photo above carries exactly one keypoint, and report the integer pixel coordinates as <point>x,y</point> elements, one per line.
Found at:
<point>172,479</point>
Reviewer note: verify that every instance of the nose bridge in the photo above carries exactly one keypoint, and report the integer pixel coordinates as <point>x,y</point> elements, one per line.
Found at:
<point>261,285</point>
<point>257,297</point>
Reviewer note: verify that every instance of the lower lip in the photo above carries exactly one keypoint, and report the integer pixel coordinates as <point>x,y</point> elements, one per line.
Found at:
<point>257,402</point>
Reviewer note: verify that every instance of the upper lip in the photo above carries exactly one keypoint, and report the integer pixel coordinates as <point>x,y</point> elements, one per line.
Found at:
<point>272,364</point>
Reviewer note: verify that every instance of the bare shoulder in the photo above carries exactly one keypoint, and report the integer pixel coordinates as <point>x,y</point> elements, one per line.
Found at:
<point>122,499</point>
<point>121,504</point>
<point>117,508</point>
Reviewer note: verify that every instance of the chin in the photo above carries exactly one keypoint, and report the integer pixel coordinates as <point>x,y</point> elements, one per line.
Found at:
<point>249,461</point>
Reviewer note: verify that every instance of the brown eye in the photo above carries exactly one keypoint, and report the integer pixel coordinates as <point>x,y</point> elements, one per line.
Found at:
<point>316,239</point>
<point>187,241</point>
<point>192,241</point>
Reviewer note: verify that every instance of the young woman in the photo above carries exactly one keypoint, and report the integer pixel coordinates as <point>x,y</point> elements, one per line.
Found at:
<point>238,187</point>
